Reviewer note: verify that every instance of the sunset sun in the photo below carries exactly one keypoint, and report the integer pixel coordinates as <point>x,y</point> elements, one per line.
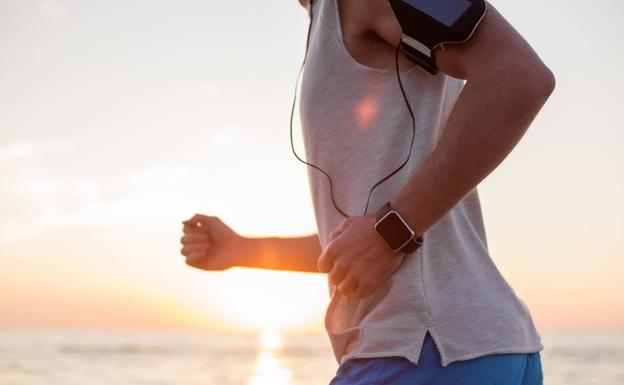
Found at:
<point>261,300</point>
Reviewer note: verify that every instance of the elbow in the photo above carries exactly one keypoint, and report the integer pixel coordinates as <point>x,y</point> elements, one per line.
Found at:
<point>530,86</point>
<point>544,82</point>
<point>532,74</point>
<point>528,78</point>
<point>524,75</point>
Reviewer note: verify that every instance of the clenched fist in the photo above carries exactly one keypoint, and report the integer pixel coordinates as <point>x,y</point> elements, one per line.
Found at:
<point>210,244</point>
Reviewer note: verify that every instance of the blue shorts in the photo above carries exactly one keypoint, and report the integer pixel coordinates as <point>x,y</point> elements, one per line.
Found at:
<point>493,369</point>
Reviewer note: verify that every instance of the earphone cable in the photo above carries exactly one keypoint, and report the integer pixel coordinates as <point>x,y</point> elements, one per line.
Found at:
<point>331,191</point>
<point>409,108</point>
<point>292,112</point>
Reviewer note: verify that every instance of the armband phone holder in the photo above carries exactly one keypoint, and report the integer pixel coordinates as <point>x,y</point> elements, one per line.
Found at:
<point>427,24</point>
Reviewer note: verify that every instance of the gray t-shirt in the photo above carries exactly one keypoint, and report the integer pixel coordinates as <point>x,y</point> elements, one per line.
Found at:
<point>357,128</point>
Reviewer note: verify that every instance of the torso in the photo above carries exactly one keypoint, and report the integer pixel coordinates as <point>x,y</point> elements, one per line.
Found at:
<point>356,127</point>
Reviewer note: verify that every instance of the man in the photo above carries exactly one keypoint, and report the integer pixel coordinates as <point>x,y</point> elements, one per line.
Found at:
<point>441,314</point>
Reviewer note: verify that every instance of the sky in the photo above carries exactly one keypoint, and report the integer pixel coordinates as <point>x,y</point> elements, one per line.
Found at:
<point>118,120</point>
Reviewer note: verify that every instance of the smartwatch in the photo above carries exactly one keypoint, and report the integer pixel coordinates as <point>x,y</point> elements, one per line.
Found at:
<point>395,231</point>
<point>427,24</point>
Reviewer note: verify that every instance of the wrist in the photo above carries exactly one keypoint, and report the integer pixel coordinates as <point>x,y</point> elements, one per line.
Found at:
<point>398,205</point>
<point>246,255</point>
<point>257,252</point>
<point>395,231</point>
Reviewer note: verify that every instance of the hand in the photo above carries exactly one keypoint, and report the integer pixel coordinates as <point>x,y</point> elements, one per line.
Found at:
<point>357,259</point>
<point>209,244</point>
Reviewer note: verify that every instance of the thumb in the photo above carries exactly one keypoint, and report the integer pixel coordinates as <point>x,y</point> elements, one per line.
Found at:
<point>325,262</point>
<point>201,220</point>
<point>195,223</point>
<point>337,231</point>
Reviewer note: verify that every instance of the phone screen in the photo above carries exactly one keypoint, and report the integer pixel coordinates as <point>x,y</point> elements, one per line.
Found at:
<point>446,12</point>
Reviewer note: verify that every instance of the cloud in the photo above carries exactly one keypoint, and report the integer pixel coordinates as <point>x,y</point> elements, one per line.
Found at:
<point>43,194</point>
<point>23,149</point>
<point>35,202</point>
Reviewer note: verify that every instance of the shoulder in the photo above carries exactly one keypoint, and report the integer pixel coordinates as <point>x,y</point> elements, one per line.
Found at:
<point>304,3</point>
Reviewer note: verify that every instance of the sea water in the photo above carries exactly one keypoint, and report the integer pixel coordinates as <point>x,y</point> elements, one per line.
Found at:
<point>72,357</point>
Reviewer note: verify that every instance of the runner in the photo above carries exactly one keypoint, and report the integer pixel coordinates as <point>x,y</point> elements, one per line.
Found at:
<point>396,152</point>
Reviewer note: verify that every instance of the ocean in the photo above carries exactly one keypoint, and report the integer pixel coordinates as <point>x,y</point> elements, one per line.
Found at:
<point>54,357</point>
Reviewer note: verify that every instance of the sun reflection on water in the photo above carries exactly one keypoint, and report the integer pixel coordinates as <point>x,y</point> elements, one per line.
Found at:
<point>268,370</point>
<point>270,340</point>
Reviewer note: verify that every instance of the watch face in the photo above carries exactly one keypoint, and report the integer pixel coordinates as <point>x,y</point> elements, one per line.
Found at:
<point>394,230</point>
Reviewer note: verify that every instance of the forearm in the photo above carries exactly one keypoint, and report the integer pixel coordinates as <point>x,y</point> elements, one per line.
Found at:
<point>278,253</point>
<point>490,116</point>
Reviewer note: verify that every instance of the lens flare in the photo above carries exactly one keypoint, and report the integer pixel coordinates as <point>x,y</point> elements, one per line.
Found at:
<point>366,111</point>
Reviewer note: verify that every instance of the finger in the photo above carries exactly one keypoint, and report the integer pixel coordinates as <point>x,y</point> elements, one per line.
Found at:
<point>337,274</point>
<point>347,286</point>
<point>194,226</point>
<point>195,247</point>
<point>362,291</point>
<point>190,222</point>
<point>190,228</point>
<point>336,232</point>
<point>200,220</point>
<point>195,259</point>
<point>328,256</point>
<point>194,237</point>
<point>325,262</point>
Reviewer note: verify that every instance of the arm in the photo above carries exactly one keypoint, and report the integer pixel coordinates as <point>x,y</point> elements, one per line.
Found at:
<point>210,244</point>
<point>276,253</point>
<point>506,86</point>
<point>280,253</point>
